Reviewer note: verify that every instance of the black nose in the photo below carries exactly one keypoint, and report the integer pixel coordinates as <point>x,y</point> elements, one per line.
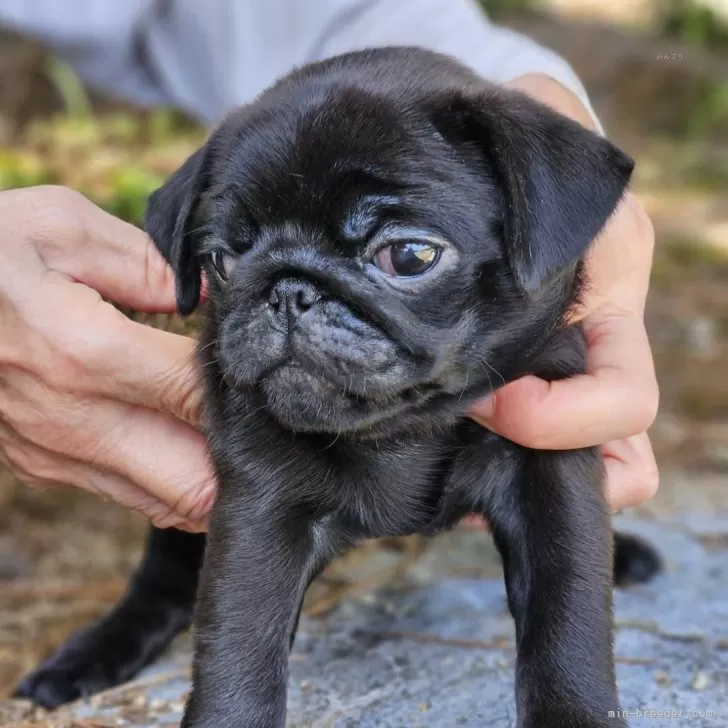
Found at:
<point>290,298</point>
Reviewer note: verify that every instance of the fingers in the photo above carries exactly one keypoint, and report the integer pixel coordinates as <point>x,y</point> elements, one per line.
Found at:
<point>80,240</point>
<point>617,397</point>
<point>137,456</point>
<point>165,455</point>
<point>115,357</point>
<point>40,468</point>
<point>87,345</point>
<point>619,262</point>
<point>166,376</point>
<point>632,476</point>
<point>148,367</point>
<point>125,266</point>
<point>74,370</point>
<point>159,458</point>
<point>632,473</point>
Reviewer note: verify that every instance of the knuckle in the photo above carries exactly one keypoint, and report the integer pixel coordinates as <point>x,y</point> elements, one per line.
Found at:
<point>180,394</point>
<point>58,215</point>
<point>157,270</point>
<point>27,466</point>
<point>195,504</point>
<point>648,482</point>
<point>643,222</point>
<point>84,349</point>
<point>156,512</point>
<point>163,517</point>
<point>647,406</point>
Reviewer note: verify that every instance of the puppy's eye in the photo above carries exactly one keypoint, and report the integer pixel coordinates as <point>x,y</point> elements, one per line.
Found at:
<point>407,258</point>
<point>223,263</point>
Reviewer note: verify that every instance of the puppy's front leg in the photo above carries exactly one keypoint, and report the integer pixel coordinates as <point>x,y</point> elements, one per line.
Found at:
<point>551,526</point>
<point>258,564</point>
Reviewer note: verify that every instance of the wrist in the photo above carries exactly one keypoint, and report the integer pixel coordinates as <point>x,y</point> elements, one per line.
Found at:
<point>550,92</point>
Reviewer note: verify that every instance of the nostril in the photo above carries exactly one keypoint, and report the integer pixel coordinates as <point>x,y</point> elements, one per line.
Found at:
<point>293,297</point>
<point>306,298</point>
<point>274,300</point>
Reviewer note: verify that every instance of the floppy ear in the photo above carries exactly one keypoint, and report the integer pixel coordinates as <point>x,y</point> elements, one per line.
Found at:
<point>561,182</point>
<point>167,221</point>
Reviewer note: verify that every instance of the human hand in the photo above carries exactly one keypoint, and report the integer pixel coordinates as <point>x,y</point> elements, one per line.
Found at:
<point>88,397</point>
<point>616,401</point>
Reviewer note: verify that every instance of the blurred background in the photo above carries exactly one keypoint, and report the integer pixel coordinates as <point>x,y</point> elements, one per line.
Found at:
<point>657,72</point>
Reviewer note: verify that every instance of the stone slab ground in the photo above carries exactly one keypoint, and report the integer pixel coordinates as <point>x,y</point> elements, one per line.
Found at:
<point>436,650</point>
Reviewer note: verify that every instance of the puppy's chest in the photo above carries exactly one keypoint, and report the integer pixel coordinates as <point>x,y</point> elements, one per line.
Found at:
<point>371,490</point>
<point>393,493</point>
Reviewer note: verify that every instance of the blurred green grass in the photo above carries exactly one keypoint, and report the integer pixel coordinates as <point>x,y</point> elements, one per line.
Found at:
<point>697,22</point>
<point>694,22</point>
<point>115,159</point>
<point>118,158</point>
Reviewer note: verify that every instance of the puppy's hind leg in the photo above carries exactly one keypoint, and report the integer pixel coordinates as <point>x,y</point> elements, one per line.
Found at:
<point>635,560</point>
<point>157,605</point>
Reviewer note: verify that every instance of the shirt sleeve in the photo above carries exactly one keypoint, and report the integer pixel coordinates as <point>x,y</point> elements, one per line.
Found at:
<point>206,56</point>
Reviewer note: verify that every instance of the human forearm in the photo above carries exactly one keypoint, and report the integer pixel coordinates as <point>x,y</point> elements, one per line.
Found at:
<point>552,93</point>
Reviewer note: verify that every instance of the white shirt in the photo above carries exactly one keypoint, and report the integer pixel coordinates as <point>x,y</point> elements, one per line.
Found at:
<point>206,56</point>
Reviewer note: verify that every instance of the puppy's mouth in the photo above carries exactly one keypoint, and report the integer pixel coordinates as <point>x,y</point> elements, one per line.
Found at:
<point>304,394</point>
<point>301,399</point>
<point>326,369</point>
<point>307,382</point>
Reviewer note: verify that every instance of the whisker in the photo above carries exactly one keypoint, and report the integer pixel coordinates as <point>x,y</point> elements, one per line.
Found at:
<point>201,229</point>
<point>208,345</point>
<point>495,371</point>
<point>465,386</point>
<point>333,442</point>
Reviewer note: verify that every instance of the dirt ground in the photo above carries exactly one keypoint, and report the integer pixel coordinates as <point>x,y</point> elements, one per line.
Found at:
<point>64,557</point>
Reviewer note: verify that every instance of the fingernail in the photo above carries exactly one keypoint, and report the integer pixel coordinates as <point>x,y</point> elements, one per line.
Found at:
<point>484,409</point>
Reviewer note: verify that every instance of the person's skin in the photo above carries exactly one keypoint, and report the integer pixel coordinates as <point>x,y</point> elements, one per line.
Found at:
<point>92,399</point>
<point>615,403</point>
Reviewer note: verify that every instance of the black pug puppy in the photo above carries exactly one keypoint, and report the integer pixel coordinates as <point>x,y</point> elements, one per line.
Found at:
<point>387,238</point>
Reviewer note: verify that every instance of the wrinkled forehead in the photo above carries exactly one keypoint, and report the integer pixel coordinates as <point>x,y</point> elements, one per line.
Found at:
<point>343,162</point>
<point>323,149</point>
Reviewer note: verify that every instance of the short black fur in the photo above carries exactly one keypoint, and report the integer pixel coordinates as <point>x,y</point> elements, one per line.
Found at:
<point>336,395</point>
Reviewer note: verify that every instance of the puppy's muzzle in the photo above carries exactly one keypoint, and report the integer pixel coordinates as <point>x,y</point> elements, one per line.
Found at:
<point>288,300</point>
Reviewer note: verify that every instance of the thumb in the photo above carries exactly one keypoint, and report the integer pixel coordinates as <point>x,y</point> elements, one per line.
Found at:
<point>615,399</point>
<point>115,258</point>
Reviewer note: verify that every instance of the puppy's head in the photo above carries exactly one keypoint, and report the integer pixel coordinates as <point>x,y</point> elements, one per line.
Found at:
<point>382,232</point>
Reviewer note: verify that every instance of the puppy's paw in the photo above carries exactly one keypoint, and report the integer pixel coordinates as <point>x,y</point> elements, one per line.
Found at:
<point>635,561</point>
<point>57,682</point>
<point>88,662</point>
<point>104,655</point>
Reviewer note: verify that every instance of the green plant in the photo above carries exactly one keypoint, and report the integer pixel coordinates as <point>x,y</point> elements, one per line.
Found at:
<point>495,8</point>
<point>127,193</point>
<point>694,22</point>
<point>711,113</point>
<point>23,170</point>
<point>70,87</point>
